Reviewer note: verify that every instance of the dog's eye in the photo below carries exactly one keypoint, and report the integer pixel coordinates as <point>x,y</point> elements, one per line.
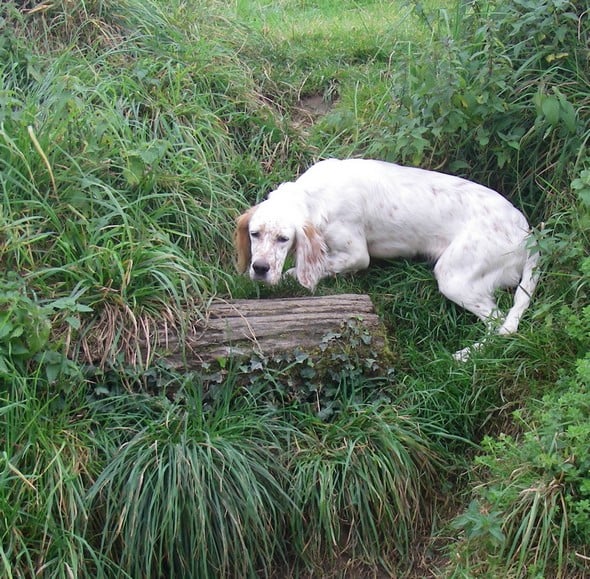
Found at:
<point>282,238</point>
<point>254,234</point>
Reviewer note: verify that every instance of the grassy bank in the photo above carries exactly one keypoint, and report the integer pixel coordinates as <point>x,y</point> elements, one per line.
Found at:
<point>132,134</point>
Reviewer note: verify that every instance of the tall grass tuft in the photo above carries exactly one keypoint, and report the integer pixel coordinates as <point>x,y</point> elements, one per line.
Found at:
<point>48,459</point>
<point>195,494</point>
<point>364,484</point>
<point>117,158</point>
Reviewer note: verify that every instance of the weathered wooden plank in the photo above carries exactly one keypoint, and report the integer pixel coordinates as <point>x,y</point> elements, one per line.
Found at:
<point>268,327</point>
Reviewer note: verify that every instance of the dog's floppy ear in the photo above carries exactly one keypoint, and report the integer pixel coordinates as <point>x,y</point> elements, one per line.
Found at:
<point>242,240</point>
<point>310,256</point>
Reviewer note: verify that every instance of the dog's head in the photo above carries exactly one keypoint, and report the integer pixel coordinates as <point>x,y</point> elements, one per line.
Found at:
<point>267,233</point>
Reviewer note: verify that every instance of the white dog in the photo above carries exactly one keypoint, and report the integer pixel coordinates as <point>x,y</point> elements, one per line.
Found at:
<point>339,214</point>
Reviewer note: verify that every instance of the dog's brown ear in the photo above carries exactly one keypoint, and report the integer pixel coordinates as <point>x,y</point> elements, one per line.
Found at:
<point>310,255</point>
<point>242,240</point>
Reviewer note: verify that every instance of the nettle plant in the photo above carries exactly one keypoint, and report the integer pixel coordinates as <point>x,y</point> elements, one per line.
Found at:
<point>26,326</point>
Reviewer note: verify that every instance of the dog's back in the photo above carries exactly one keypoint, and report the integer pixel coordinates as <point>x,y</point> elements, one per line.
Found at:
<point>406,211</point>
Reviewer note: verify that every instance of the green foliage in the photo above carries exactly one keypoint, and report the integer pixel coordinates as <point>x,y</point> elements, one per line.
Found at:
<point>25,327</point>
<point>491,99</point>
<point>565,244</point>
<point>193,492</point>
<point>536,489</point>
<point>481,526</point>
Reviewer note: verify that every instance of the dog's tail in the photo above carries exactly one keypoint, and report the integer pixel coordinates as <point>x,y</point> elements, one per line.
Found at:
<point>524,292</point>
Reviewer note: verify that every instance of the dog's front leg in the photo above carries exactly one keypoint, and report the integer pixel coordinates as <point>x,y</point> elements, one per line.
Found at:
<point>292,272</point>
<point>354,257</point>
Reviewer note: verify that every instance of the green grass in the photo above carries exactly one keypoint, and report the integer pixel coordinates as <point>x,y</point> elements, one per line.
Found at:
<point>194,493</point>
<point>334,24</point>
<point>364,484</point>
<point>48,460</point>
<point>131,135</point>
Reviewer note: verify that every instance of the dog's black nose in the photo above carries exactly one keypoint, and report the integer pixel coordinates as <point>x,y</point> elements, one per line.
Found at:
<point>260,268</point>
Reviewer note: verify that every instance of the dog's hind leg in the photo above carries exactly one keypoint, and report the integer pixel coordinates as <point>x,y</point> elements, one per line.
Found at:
<point>465,280</point>
<point>461,279</point>
<point>522,295</point>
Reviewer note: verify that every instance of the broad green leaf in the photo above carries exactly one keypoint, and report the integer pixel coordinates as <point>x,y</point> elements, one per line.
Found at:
<point>551,109</point>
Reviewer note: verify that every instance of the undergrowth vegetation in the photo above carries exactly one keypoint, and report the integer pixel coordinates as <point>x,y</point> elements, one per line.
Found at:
<point>131,135</point>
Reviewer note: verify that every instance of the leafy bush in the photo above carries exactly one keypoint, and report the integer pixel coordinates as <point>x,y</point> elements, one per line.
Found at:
<point>25,328</point>
<point>491,99</point>
<point>531,510</point>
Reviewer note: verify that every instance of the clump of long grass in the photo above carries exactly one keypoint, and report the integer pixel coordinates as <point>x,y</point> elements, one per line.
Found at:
<point>195,493</point>
<point>115,185</point>
<point>49,455</point>
<point>57,25</point>
<point>364,484</point>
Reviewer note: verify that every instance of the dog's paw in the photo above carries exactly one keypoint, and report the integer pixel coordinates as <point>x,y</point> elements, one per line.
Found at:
<point>464,354</point>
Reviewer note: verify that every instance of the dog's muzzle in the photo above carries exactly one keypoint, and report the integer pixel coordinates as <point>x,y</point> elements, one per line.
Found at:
<point>260,270</point>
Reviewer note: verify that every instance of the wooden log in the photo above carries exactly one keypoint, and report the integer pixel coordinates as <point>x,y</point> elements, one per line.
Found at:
<point>271,327</point>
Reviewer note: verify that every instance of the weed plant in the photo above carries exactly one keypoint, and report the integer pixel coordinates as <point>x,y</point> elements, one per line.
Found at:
<point>531,510</point>
<point>492,99</point>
